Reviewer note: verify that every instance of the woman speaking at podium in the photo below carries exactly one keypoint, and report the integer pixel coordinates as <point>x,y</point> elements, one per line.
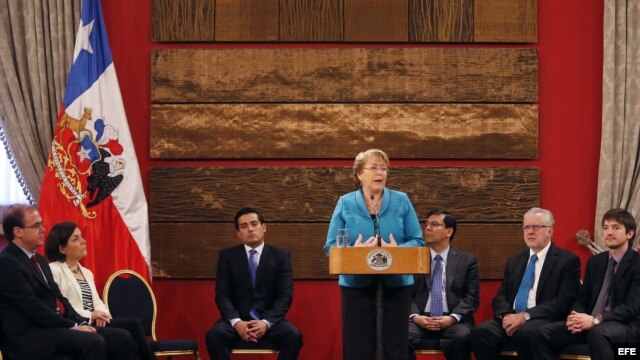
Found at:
<point>374,216</point>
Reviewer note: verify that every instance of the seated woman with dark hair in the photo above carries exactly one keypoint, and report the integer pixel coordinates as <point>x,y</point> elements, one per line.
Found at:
<point>65,247</point>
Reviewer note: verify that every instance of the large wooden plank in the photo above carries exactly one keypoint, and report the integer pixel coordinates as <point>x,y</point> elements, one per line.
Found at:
<point>190,250</point>
<point>375,20</point>
<point>246,20</point>
<point>311,20</point>
<point>505,21</point>
<point>474,131</point>
<point>309,194</point>
<point>183,20</point>
<point>441,20</point>
<point>345,75</point>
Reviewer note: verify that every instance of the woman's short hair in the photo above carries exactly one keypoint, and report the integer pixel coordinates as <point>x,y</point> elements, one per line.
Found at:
<point>362,158</point>
<point>58,236</point>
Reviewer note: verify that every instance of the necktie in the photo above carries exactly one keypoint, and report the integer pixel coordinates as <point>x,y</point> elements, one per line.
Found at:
<point>436,288</point>
<point>525,285</point>
<point>59,305</point>
<point>253,268</point>
<point>603,296</point>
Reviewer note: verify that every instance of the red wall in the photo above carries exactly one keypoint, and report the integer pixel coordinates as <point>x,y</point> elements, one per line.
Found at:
<point>570,68</point>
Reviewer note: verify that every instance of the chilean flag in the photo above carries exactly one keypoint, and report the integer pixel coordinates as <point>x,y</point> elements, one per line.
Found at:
<point>92,176</point>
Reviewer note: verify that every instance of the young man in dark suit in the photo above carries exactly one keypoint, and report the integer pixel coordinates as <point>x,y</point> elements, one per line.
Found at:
<point>254,290</point>
<point>607,310</point>
<point>538,288</point>
<point>37,322</point>
<point>456,273</point>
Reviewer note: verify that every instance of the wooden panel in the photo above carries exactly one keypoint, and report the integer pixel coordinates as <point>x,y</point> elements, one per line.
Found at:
<point>311,20</point>
<point>433,131</point>
<point>183,250</point>
<point>183,20</point>
<point>345,75</point>
<point>375,20</point>
<point>310,194</point>
<point>246,20</point>
<point>505,21</point>
<point>441,20</point>
<point>493,244</point>
<point>355,260</point>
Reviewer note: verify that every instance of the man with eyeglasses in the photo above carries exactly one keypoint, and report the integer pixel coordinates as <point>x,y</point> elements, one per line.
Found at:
<point>538,288</point>
<point>444,301</point>
<point>36,321</point>
<point>608,306</point>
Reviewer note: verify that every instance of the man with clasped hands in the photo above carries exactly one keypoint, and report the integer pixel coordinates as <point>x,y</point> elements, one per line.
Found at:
<point>608,307</point>
<point>444,301</point>
<point>538,288</point>
<point>254,290</point>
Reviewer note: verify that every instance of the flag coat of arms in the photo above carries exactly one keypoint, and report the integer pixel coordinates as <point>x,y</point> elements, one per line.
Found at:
<point>92,176</point>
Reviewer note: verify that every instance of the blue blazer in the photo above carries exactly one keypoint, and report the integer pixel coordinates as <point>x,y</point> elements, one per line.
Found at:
<point>396,216</point>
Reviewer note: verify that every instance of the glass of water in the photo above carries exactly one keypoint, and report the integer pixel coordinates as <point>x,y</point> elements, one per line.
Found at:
<point>342,237</point>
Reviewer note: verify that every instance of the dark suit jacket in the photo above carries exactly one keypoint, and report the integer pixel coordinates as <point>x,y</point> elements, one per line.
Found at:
<point>235,297</point>
<point>557,287</point>
<point>28,306</point>
<point>462,286</point>
<point>625,288</point>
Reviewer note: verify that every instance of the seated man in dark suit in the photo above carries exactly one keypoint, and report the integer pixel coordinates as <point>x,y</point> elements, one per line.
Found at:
<point>607,310</point>
<point>538,288</point>
<point>454,279</point>
<point>254,290</point>
<point>37,321</point>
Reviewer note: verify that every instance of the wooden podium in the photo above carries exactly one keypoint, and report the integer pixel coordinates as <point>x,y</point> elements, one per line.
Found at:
<point>379,260</point>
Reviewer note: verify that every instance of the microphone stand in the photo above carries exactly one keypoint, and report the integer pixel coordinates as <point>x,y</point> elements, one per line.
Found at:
<point>376,223</point>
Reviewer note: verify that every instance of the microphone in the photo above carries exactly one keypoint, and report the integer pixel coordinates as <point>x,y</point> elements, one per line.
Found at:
<point>376,224</point>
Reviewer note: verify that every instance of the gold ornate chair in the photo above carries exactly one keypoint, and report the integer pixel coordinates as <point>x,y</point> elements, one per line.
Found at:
<point>127,293</point>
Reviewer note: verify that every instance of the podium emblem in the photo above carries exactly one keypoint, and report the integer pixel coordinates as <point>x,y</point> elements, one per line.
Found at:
<point>379,260</point>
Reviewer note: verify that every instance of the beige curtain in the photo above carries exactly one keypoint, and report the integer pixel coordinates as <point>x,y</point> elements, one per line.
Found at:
<point>36,47</point>
<point>618,178</point>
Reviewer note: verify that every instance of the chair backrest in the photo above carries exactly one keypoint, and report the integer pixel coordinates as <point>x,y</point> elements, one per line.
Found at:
<point>127,294</point>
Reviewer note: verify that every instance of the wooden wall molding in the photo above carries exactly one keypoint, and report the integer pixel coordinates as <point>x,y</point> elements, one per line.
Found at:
<point>309,194</point>
<point>505,21</point>
<point>415,21</point>
<point>412,131</point>
<point>190,250</point>
<point>184,20</point>
<point>345,75</point>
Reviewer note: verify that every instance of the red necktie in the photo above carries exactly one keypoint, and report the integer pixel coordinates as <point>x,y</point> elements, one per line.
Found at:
<point>59,304</point>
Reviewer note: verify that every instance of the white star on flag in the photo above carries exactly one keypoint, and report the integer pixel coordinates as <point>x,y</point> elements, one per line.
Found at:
<point>82,40</point>
<point>83,153</point>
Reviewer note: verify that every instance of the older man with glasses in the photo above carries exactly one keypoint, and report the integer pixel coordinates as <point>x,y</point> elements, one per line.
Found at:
<point>539,286</point>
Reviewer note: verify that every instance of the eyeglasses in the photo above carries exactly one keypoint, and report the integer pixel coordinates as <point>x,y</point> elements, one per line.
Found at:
<point>35,226</point>
<point>534,227</point>
<point>376,169</point>
<point>433,224</point>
